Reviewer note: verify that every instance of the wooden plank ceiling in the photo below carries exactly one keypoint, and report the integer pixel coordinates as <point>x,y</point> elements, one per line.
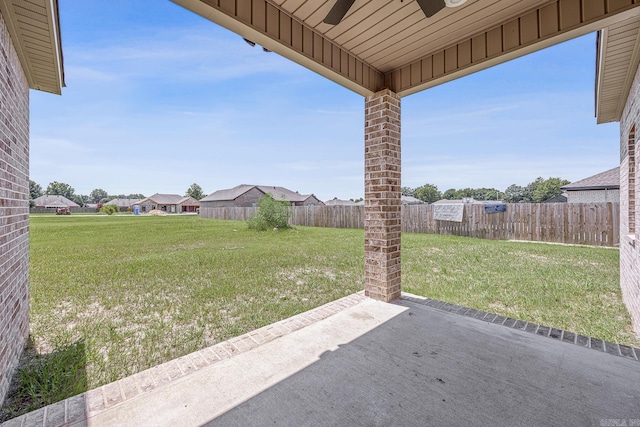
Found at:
<point>392,44</point>
<point>34,29</point>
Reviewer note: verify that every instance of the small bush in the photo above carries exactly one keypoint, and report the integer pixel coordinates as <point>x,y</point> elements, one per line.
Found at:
<point>272,214</point>
<point>109,209</point>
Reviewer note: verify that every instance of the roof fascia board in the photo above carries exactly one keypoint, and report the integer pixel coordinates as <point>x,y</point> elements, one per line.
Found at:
<point>355,75</point>
<point>603,36</point>
<point>592,187</point>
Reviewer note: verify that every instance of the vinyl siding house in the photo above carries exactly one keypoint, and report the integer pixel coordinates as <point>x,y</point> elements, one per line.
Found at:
<point>30,58</point>
<point>248,195</point>
<point>603,187</point>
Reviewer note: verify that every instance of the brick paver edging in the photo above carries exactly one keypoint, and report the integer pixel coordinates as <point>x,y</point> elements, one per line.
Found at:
<point>75,410</point>
<point>614,349</point>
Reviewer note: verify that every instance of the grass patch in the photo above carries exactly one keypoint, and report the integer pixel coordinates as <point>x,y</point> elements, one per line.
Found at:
<point>135,291</point>
<point>42,379</point>
<point>143,290</point>
<point>575,288</point>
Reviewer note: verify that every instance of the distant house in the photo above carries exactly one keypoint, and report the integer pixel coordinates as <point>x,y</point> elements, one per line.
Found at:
<point>603,187</point>
<point>170,203</point>
<point>54,202</point>
<point>248,196</point>
<point>339,202</point>
<point>409,200</point>
<point>124,204</point>
<point>560,198</point>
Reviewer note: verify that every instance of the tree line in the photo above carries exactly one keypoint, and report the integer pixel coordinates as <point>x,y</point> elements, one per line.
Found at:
<point>97,196</point>
<point>536,191</point>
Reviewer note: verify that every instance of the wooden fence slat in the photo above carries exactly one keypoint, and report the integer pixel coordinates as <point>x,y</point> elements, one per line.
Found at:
<point>578,223</point>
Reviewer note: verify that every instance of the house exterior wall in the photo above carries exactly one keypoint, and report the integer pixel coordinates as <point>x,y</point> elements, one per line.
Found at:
<point>593,196</point>
<point>630,239</point>
<point>246,200</point>
<point>14,209</point>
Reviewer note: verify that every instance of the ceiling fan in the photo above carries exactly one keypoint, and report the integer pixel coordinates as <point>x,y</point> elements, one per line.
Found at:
<point>429,7</point>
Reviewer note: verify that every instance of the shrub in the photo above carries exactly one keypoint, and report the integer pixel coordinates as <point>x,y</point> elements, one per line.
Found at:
<point>272,214</point>
<point>109,209</point>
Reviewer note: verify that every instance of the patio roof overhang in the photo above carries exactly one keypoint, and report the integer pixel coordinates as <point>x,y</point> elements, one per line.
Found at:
<point>35,31</point>
<point>390,44</point>
<point>618,58</point>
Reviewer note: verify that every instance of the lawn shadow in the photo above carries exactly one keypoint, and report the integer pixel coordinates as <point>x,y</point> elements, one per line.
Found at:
<point>44,379</point>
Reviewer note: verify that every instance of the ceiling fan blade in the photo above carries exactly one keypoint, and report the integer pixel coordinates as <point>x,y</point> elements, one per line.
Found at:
<point>337,12</point>
<point>431,7</point>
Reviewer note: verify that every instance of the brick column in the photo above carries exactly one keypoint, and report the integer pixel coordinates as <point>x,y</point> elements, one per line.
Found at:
<point>382,223</point>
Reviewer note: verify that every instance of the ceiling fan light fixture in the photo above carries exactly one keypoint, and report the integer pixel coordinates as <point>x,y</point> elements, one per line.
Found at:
<point>454,3</point>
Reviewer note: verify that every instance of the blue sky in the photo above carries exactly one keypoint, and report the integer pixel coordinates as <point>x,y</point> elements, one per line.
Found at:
<point>158,98</point>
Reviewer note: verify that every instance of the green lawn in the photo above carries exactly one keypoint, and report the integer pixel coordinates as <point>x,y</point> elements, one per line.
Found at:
<point>124,293</point>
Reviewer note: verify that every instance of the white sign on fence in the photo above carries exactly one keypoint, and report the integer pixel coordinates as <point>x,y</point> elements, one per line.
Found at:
<point>448,212</point>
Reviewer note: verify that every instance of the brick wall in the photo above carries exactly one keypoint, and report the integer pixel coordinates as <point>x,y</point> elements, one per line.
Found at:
<point>14,209</point>
<point>382,200</point>
<point>630,213</point>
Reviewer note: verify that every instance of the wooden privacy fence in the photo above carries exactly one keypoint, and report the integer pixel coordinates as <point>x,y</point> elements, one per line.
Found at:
<point>595,224</point>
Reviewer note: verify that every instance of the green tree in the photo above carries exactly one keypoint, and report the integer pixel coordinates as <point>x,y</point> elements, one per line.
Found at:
<point>548,189</point>
<point>195,191</point>
<point>109,209</point>
<point>35,190</point>
<point>450,194</point>
<point>428,193</point>
<point>530,189</point>
<point>408,191</point>
<point>61,189</point>
<point>514,194</point>
<point>465,192</point>
<point>98,194</point>
<point>487,194</point>
<point>272,214</point>
<point>80,199</point>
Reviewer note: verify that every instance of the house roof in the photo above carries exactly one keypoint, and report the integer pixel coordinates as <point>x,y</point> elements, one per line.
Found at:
<point>34,27</point>
<point>560,198</point>
<point>606,180</point>
<point>409,200</point>
<point>394,45</point>
<point>54,201</point>
<point>123,202</point>
<point>163,199</point>
<point>339,202</point>
<point>278,193</point>
<point>189,201</point>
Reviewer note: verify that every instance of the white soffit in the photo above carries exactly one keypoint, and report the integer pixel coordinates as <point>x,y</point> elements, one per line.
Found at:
<point>34,29</point>
<point>618,60</point>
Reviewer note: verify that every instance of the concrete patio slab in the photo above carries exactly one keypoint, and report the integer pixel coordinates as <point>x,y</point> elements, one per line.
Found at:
<point>369,363</point>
